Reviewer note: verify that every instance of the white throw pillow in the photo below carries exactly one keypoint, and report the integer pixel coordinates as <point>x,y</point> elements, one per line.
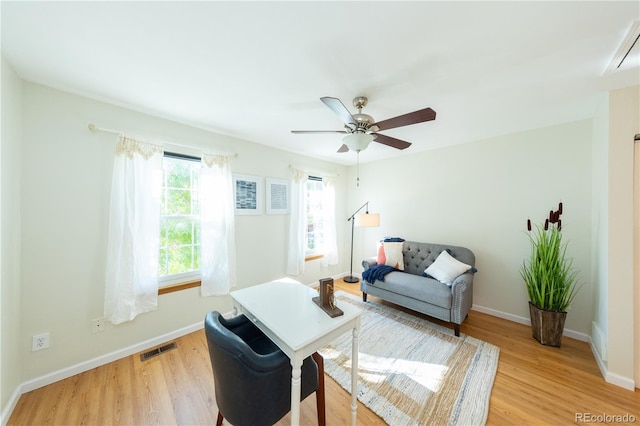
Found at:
<point>446,269</point>
<point>391,254</point>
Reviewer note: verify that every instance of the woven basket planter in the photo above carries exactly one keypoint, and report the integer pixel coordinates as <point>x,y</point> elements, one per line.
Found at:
<point>547,326</point>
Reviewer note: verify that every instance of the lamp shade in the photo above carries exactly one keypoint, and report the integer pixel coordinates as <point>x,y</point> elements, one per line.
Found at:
<point>357,141</point>
<point>367,219</point>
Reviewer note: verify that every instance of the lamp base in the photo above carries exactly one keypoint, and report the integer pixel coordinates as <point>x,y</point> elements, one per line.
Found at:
<point>350,279</point>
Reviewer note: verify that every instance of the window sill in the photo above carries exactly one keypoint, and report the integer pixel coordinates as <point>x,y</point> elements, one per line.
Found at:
<point>171,288</point>
<point>313,257</point>
<point>178,287</point>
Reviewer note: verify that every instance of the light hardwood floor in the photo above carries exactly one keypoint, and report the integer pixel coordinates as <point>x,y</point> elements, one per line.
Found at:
<point>534,385</point>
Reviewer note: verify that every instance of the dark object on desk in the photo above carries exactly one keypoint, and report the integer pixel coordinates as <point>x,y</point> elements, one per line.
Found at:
<point>252,375</point>
<point>326,300</point>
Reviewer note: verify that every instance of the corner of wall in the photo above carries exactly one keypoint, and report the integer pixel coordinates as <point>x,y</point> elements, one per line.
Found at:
<point>599,236</point>
<point>624,123</point>
<point>599,343</point>
<point>10,234</point>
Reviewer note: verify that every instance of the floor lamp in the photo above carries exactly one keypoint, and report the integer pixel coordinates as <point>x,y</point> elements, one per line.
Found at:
<point>364,220</point>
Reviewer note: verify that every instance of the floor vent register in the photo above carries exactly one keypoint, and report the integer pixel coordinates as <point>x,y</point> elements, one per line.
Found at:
<point>157,351</point>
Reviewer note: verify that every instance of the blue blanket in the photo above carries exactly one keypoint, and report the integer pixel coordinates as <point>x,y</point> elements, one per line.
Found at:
<point>376,272</point>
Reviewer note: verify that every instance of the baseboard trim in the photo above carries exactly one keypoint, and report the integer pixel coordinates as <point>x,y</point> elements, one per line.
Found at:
<point>583,337</point>
<point>11,405</point>
<point>614,379</point>
<point>335,277</point>
<point>83,366</point>
<point>623,382</point>
<point>64,373</point>
<point>602,365</point>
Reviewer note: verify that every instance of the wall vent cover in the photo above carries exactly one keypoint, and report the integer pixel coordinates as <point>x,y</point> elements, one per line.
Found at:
<point>628,54</point>
<point>157,351</point>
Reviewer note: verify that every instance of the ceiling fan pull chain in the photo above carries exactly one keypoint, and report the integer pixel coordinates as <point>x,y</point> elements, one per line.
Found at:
<point>358,168</point>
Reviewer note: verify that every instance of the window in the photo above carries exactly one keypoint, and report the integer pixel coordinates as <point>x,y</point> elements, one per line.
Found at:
<point>179,219</point>
<point>314,216</point>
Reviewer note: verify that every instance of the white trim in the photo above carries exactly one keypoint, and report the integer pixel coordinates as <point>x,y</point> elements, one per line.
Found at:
<point>83,366</point>
<point>334,277</point>
<point>624,48</point>
<point>583,337</point>
<point>11,405</point>
<point>602,365</point>
<point>599,342</point>
<point>624,382</point>
<point>67,372</point>
<point>179,278</point>
<point>500,314</point>
<point>614,379</point>
<point>64,373</point>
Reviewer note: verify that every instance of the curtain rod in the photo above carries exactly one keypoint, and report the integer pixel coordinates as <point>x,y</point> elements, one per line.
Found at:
<point>314,172</point>
<point>95,129</point>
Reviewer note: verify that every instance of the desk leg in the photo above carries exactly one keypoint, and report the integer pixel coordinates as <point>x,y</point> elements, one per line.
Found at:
<point>296,385</point>
<point>354,373</point>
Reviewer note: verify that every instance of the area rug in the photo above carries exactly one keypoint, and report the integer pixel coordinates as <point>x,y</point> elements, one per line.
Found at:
<point>412,371</point>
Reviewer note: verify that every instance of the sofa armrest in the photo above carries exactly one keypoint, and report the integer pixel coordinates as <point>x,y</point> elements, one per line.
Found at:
<point>368,263</point>
<point>462,292</point>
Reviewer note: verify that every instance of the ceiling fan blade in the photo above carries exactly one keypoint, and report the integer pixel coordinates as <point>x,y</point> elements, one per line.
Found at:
<point>392,142</point>
<point>343,148</point>
<point>419,116</point>
<point>317,131</point>
<point>340,110</point>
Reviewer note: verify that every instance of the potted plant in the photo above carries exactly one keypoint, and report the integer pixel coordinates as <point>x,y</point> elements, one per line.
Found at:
<point>550,280</point>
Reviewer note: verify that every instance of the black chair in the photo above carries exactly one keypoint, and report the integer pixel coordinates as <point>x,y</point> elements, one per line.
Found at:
<point>252,375</point>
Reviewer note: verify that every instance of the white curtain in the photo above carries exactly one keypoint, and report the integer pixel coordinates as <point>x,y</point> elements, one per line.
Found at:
<point>330,248</point>
<point>131,284</point>
<point>217,238</point>
<point>297,223</point>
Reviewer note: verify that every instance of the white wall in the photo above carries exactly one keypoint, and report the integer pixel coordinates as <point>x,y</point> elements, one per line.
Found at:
<point>10,338</point>
<point>612,244</point>
<point>600,229</point>
<point>636,251</point>
<point>479,196</point>
<point>624,116</point>
<point>66,178</point>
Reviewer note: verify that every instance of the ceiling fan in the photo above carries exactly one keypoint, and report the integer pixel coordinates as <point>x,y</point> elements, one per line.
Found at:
<point>361,129</point>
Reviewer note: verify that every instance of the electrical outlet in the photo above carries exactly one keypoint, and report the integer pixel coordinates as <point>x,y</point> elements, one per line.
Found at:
<point>39,342</point>
<point>97,325</point>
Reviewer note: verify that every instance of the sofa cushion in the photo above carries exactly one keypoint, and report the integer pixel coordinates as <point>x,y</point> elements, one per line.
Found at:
<point>446,269</point>
<point>390,253</point>
<point>418,256</point>
<point>417,287</point>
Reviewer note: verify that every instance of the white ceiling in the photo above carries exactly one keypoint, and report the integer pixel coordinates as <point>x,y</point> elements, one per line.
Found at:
<point>256,70</point>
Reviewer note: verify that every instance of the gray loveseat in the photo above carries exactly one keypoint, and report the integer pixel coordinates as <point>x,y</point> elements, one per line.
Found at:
<point>413,290</point>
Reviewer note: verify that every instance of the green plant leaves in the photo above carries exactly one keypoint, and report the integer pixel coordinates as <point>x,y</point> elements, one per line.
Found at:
<point>180,217</point>
<point>548,275</point>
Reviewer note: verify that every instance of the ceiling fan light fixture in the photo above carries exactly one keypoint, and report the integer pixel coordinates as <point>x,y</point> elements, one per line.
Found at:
<point>358,141</point>
<point>362,129</point>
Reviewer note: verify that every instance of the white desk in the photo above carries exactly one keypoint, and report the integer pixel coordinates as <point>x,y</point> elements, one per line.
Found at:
<point>284,311</point>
